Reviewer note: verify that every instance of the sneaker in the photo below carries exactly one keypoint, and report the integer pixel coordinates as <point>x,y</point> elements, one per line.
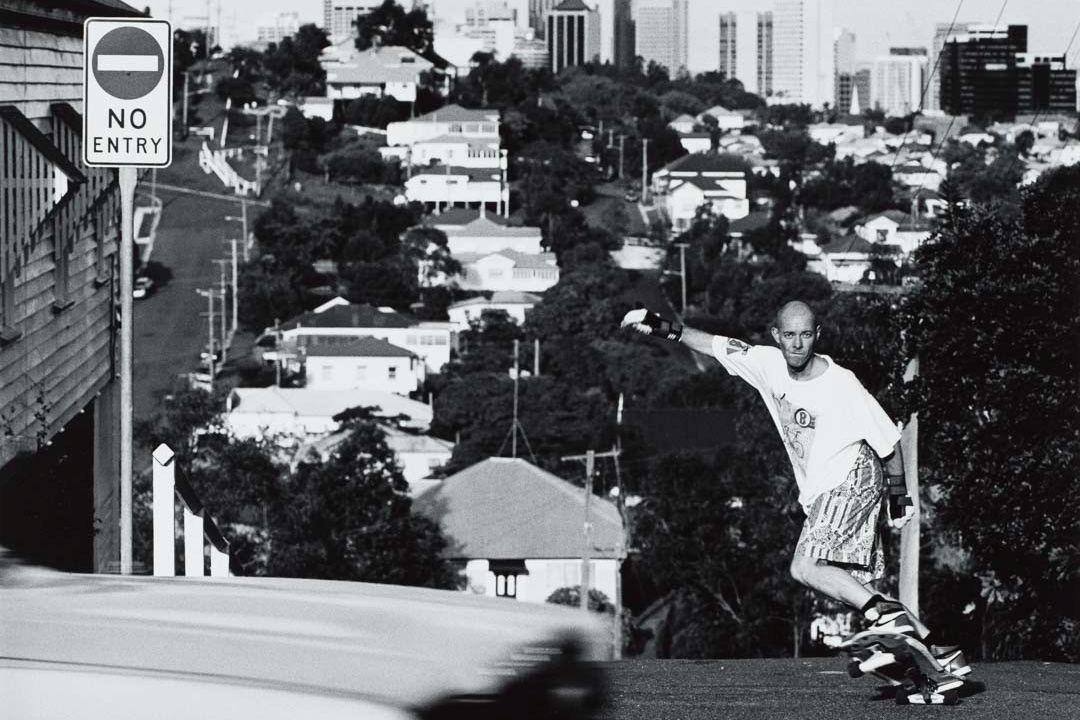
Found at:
<point>951,657</point>
<point>889,616</point>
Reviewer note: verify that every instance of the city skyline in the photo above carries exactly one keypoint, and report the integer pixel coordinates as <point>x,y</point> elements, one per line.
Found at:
<point>877,25</point>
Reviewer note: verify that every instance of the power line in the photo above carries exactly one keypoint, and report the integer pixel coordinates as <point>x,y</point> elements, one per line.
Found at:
<point>930,78</point>
<point>1065,57</point>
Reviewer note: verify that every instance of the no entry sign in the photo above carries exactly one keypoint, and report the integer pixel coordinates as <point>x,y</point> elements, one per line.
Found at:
<point>127,99</point>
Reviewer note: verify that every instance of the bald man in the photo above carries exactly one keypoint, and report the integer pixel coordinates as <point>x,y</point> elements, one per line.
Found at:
<point>836,436</point>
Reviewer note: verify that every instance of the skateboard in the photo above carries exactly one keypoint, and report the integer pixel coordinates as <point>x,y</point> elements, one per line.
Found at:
<point>913,673</point>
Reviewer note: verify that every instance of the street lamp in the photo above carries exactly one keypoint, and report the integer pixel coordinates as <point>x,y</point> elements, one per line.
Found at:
<point>242,218</point>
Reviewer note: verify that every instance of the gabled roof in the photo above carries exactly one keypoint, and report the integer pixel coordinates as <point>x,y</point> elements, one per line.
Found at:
<point>522,260</point>
<point>855,244</point>
<point>363,346</point>
<point>705,162</point>
<point>456,113</point>
<point>311,403</point>
<point>912,169</point>
<point>350,316</point>
<point>572,6</point>
<point>398,441</point>
<point>752,221</point>
<point>718,111</point>
<point>509,509</point>
<point>486,227</point>
<point>500,297</point>
<point>684,118</point>
<point>710,186</point>
<point>897,216</point>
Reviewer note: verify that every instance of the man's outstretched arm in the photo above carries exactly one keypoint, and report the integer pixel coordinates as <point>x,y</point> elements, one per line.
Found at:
<point>649,323</point>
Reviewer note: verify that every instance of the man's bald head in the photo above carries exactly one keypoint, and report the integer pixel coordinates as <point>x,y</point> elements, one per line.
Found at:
<point>794,311</point>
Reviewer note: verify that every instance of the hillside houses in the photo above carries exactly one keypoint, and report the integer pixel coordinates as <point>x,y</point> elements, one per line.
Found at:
<point>475,231</point>
<point>380,71</point>
<point>691,181</point>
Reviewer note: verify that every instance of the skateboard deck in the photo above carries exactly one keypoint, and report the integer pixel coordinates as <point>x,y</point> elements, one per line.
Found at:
<point>913,674</point>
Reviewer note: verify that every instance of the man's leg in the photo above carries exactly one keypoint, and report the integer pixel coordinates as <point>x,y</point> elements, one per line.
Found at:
<point>830,580</point>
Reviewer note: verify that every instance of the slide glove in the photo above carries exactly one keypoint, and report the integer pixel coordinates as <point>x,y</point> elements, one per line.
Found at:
<point>901,506</point>
<point>649,323</point>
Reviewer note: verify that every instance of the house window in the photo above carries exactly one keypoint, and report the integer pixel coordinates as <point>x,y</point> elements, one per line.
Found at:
<point>882,235</point>
<point>506,576</point>
<point>391,372</point>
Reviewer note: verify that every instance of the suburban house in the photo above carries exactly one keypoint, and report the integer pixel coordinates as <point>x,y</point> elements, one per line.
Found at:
<point>683,124</point>
<point>452,120</point>
<point>445,185</point>
<point>513,303</point>
<point>475,231</point>
<point>348,363</point>
<point>696,142</point>
<point>691,181</point>
<point>835,133</point>
<point>846,259</point>
<point>894,228</point>
<point>301,413</point>
<point>507,270</point>
<point>417,455</point>
<point>59,244</point>
<point>389,70</point>
<point>726,120</point>
<point>459,150</point>
<point>519,530</point>
<point>918,176</point>
<point>338,318</point>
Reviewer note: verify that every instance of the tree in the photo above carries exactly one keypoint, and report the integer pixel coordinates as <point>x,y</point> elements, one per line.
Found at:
<point>993,323</point>
<point>390,25</point>
<point>359,163</point>
<point>267,293</point>
<point>292,66</point>
<point>349,518</point>
<point>844,183</point>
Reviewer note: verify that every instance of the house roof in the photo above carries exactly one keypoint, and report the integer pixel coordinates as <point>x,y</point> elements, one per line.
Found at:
<point>703,135</point>
<point>485,227</point>
<point>474,174</point>
<point>397,440</point>
<point>572,6</point>
<point>897,216</point>
<point>706,162</point>
<point>720,111</point>
<point>461,216</point>
<point>752,221</point>
<point>507,508</point>
<point>350,316</point>
<point>710,186</point>
<point>500,297</point>
<point>684,118</point>
<point>311,403</point>
<point>522,260</point>
<point>456,113</point>
<point>363,346</point>
<point>843,214</point>
<point>913,168</point>
<point>854,244</point>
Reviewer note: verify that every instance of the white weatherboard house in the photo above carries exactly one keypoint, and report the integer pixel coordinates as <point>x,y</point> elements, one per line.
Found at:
<point>507,270</point>
<point>338,318</point>
<point>725,119</point>
<point>691,181</point>
<point>476,231</point>
<point>301,413</point>
<point>450,185</point>
<point>520,530</point>
<point>451,120</point>
<point>388,70</point>
<point>355,363</point>
<point>514,304</point>
<point>417,455</point>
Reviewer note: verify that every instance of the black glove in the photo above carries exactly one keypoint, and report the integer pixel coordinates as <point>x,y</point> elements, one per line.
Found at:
<point>645,321</point>
<point>899,500</point>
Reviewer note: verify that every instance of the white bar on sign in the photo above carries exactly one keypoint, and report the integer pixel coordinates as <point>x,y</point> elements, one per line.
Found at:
<point>128,63</point>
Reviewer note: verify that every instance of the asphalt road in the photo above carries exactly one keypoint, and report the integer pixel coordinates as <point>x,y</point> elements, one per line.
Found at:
<point>819,689</point>
<point>169,332</point>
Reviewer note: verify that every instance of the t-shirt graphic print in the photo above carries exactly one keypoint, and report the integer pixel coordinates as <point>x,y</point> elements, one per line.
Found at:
<point>797,428</point>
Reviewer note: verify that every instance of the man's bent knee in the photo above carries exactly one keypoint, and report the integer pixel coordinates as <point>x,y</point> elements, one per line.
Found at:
<point>801,567</point>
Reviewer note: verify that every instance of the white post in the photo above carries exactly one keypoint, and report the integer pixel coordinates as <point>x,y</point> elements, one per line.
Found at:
<point>193,544</point>
<point>164,512</point>
<point>234,283</point>
<point>219,563</point>
<point>128,179</point>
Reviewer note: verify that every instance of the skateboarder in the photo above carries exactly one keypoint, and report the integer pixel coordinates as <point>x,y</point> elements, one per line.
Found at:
<point>836,436</point>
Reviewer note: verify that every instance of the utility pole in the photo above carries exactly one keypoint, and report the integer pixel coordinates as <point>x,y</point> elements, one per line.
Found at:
<point>235,287</point>
<point>223,290</point>
<point>209,295</point>
<point>243,218</point>
<point>187,74</point>
<point>586,555</point>
<point>622,138</point>
<point>513,429</point>
<point>682,272</point>
<point>645,170</point>
<point>536,357</point>
<point>620,550</point>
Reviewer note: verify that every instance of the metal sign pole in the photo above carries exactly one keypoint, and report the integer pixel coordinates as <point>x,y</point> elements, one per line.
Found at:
<point>128,180</point>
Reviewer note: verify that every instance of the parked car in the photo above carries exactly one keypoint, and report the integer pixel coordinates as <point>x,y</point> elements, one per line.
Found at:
<point>101,646</point>
<point>143,287</point>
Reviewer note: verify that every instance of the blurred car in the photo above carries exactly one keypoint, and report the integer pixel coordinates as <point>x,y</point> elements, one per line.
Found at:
<point>143,287</point>
<point>631,196</point>
<point>101,646</point>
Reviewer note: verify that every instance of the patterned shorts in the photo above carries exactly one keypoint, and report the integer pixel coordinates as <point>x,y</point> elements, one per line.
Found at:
<point>842,526</point>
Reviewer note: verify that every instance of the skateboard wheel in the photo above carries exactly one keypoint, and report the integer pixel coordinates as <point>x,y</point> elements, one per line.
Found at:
<point>853,669</point>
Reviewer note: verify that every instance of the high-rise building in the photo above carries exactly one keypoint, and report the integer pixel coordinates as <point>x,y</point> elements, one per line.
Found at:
<point>285,25</point>
<point>803,69</point>
<point>932,103</point>
<point>729,48</point>
<point>844,67</point>
<point>861,85</point>
<point>764,70</point>
<point>978,70</point>
<point>538,12</point>
<point>1045,84</point>
<point>897,81</point>
<point>660,33</point>
<point>624,33</point>
<point>339,16</point>
<point>573,34</point>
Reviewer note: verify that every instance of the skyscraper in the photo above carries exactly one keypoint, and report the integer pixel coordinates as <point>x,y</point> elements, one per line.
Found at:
<point>844,67</point>
<point>615,22</point>
<point>538,12</point>
<point>803,52</point>
<point>932,103</point>
<point>573,34</point>
<point>624,33</point>
<point>897,81</point>
<point>729,50</point>
<point>339,16</point>
<point>764,70</point>
<point>978,70</point>
<point>660,33</point>
<point>1045,84</point>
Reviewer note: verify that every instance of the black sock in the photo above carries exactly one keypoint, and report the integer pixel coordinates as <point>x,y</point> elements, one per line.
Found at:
<point>871,603</point>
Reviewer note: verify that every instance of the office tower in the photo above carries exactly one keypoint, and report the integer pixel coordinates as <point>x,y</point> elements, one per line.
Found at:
<point>624,33</point>
<point>932,103</point>
<point>897,81</point>
<point>660,33</point>
<point>339,16</point>
<point>861,92</point>
<point>764,71</point>
<point>803,69</point>
<point>1045,85</point>
<point>573,34</point>
<point>978,71</point>
<point>729,51</point>
<point>538,12</point>
<point>844,67</point>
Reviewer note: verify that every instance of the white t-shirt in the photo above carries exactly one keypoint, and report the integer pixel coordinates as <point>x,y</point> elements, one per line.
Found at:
<point>821,421</point>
